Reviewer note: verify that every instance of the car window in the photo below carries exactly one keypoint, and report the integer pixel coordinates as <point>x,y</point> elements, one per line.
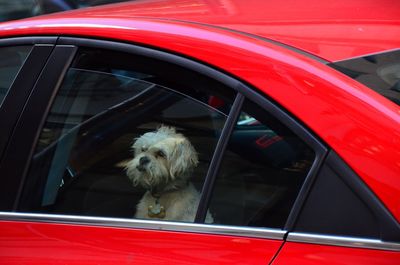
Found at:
<point>347,214</point>
<point>344,206</point>
<point>380,72</point>
<point>262,172</point>
<point>11,60</point>
<point>124,137</point>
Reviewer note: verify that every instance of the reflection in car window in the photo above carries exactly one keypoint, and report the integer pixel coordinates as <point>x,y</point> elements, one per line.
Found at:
<point>380,72</point>
<point>11,60</point>
<point>123,137</point>
<point>261,173</point>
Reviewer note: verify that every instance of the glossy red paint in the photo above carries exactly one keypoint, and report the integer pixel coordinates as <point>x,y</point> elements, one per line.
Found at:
<point>360,125</point>
<point>333,30</point>
<point>309,254</point>
<point>41,243</point>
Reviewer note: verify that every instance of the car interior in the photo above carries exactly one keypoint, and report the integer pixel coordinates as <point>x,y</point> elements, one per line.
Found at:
<point>79,163</point>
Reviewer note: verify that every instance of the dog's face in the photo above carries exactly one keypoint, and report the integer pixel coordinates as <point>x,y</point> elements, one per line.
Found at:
<point>161,157</point>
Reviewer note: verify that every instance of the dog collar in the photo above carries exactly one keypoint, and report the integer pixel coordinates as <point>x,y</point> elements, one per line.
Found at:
<point>156,210</point>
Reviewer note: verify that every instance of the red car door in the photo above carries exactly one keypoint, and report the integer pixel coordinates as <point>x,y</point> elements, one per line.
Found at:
<point>47,240</point>
<point>76,203</point>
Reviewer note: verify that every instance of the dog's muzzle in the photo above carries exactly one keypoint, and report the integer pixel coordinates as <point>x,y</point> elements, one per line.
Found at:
<point>143,161</point>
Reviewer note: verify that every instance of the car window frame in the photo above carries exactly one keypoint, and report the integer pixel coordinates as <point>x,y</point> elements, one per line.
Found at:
<point>52,76</point>
<point>20,88</point>
<point>16,97</point>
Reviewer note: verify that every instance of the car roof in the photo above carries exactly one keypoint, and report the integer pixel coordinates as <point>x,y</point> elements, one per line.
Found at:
<point>332,30</point>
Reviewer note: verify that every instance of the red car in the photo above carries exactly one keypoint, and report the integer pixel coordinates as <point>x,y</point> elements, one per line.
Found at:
<point>291,108</point>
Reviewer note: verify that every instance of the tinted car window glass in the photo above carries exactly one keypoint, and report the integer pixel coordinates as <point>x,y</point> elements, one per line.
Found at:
<point>107,102</point>
<point>338,209</point>
<point>11,60</point>
<point>261,173</point>
<point>381,72</point>
<point>341,204</point>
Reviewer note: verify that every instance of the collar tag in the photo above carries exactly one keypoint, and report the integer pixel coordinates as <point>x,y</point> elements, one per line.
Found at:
<point>156,211</point>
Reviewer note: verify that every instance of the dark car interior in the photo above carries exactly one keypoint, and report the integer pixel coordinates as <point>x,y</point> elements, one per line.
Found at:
<point>79,164</point>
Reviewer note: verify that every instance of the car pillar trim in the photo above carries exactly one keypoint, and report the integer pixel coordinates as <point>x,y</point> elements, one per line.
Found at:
<point>212,173</point>
<point>342,241</point>
<point>265,233</point>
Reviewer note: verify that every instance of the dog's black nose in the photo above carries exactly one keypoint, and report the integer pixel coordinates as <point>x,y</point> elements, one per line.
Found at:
<point>144,160</point>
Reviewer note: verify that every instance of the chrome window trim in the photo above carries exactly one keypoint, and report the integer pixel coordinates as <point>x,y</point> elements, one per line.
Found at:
<point>342,241</point>
<point>265,233</point>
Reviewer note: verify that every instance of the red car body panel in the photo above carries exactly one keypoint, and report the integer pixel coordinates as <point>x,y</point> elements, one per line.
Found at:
<point>351,118</point>
<point>43,244</point>
<point>333,30</point>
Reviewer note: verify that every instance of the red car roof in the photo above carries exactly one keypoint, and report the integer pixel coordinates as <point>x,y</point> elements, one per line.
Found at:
<point>333,30</point>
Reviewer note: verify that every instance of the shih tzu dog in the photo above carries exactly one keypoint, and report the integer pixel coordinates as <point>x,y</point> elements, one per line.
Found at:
<point>163,163</point>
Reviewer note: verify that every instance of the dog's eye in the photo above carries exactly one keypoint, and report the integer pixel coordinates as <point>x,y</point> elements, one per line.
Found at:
<point>144,149</point>
<point>160,153</point>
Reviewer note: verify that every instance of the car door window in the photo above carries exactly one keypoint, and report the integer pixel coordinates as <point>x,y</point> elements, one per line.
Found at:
<point>111,120</point>
<point>107,125</point>
<point>262,171</point>
<point>11,60</point>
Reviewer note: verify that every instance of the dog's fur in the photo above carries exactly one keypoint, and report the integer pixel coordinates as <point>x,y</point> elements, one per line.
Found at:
<point>163,163</point>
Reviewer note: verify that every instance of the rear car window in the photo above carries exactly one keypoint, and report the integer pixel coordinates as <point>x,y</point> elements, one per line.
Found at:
<point>262,171</point>
<point>381,72</point>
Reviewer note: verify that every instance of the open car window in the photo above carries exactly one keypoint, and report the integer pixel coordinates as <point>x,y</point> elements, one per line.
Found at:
<point>127,138</point>
<point>262,171</point>
<point>108,104</point>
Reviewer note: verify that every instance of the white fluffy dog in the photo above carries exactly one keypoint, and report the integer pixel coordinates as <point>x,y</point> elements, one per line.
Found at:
<point>163,163</point>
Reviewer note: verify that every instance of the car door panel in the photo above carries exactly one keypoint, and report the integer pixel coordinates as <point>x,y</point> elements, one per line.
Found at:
<point>79,238</point>
<point>48,240</point>
<point>50,243</point>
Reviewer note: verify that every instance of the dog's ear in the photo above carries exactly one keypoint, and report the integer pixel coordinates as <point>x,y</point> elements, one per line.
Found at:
<point>183,158</point>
